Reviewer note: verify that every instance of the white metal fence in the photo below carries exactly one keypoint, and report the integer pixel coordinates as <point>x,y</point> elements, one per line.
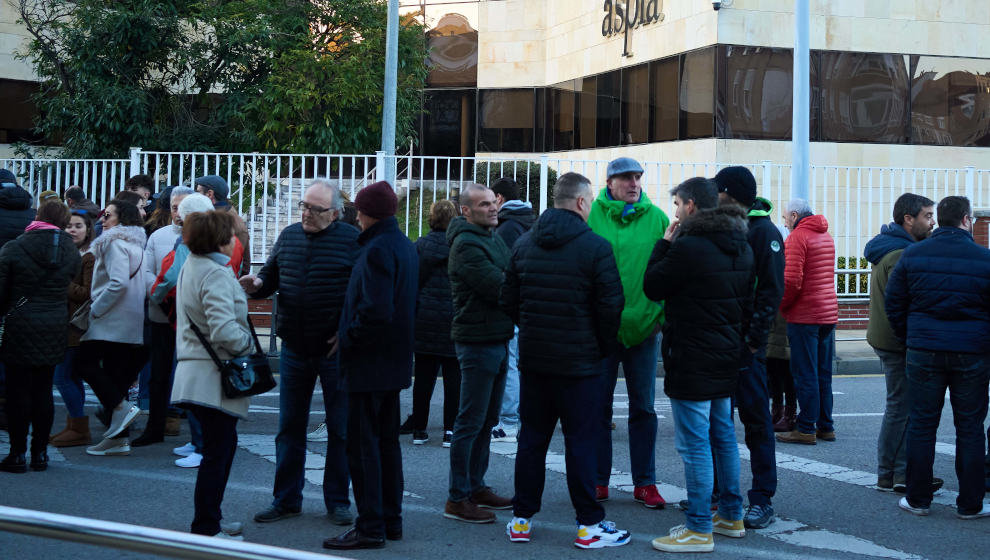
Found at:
<point>267,187</point>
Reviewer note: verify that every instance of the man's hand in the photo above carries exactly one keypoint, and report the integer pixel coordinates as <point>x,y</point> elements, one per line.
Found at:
<point>672,230</point>
<point>250,283</point>
<point>333,346</point>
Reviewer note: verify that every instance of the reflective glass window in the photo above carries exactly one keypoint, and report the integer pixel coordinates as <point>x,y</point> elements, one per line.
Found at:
<point>664,99</point>
<point>505,120</point>
<point>562,101</point>
<point>17,111</point>
<point>453,53</point>
<point>609,107</point>
<point>636,104</point>
<point>448,122</point>
<point>697,94</point>
<point>864,97</point>
<point>755,93</point>
<point>950,104</point>
<point>587,110</point>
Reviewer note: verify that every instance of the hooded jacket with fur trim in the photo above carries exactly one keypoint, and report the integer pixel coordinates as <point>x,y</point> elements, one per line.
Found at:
<point>118,289</point>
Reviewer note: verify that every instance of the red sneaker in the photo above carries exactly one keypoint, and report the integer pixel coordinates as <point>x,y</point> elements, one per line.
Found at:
<point>649,496</point>
<point>601,493</point>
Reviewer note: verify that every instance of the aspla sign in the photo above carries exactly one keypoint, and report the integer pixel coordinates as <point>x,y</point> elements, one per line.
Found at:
<point>622,16</point>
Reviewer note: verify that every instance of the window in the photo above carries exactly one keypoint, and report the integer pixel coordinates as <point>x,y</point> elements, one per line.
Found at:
<point>561,100</point>
<point>17,111</point>
<point>448,122</point>
<point>636,104</point>
<point>505,120</point>
<point>587,109</point>
<point>755,93</point>
<point>609,108</point>
<point>697,94</point>
<point>950,103</point>
<point>864,97</point>
<point>453,53</point>
<point>664,99</point>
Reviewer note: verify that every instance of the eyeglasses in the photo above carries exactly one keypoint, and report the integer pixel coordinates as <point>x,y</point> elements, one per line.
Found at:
<point>313,209</point>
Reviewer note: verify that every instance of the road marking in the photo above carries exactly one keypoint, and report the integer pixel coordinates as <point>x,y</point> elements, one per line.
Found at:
<point>856,414</point>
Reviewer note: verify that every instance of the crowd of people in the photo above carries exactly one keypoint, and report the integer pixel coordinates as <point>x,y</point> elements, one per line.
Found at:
<point>527,318</point>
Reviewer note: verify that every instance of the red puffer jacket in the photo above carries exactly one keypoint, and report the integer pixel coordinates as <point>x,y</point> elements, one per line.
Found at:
<point>809,274</point>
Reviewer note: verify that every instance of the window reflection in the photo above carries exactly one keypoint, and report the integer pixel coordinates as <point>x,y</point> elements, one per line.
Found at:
<point>448,122</point>
<point>697,94</point>
<point>587,110</point>
<point>950,103</point>
<point>505,120</point>
<point>562,100</point>
<point>636,104</point>
<point>665,105</point>
<point>608,109</point>
<point>453,53</point>
<point>864,97</point>
<point>756,99</point>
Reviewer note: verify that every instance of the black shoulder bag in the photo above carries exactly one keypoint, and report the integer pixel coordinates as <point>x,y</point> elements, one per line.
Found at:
<point>243,376</point>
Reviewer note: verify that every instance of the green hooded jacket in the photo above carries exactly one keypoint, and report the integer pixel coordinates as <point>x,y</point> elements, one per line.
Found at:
<point>633,237</point>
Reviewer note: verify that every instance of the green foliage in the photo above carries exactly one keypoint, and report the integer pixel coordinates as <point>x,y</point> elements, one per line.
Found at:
<point>842,279</point>
<point>526,174</point>
<point>296,76</point>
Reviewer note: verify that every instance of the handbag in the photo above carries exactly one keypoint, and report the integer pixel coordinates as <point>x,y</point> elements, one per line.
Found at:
<point>3,320</point>
<point>80,319</point>
<point>243,376</point>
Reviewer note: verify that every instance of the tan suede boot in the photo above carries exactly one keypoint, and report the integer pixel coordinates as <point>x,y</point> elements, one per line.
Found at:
<point>75,434</point>
<point>172,426</point>
<point>68,420</point>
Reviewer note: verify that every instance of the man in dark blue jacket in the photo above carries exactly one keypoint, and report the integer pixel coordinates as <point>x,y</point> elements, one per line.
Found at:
<point>376,341</point>
<point>937,302</point>
<point>562,288</point>
<point>309,266</point>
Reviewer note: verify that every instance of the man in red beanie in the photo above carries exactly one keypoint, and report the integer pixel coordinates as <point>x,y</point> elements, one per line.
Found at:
<point>375,339</point>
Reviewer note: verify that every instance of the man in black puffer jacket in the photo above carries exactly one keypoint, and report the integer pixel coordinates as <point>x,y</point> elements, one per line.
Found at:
<point>563,289</point>
<point>703,269</point>
<point>15,207</point>
<point>309,266</point>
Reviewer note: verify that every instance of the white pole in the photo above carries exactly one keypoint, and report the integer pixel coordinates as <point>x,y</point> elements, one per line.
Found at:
<point>800,158</point>
<point>391,71</point>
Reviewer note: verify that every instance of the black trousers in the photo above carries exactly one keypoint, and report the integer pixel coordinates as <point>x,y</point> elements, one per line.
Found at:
<point>162,346</point>
<point>543,400</point>
<point>427,367</point>
<point>29,403</point>
<point>110,368</point>
<point>219,445</point>
<point>375,461</point>
<point>781,382</point>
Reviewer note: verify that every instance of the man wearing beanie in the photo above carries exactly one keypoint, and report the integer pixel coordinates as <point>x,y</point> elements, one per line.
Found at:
<point>15,207</point>
<point>625,217</point>
<point>737,187</point>
<point>375,340</point>
<point>216,189</point>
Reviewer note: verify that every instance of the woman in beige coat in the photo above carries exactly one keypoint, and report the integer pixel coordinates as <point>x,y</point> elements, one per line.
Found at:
<point>208,296</point>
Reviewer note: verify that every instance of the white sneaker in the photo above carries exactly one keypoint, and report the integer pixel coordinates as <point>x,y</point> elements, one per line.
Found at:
<point>231,528</point>
<point>985,512</point>
<point>600,536</point>
<point>319,434</point>
<point>185,451</point>
<point>122,416</point>
<point>119,446</point>
<point>191,461</point>
<point>903,504</point>
<point>222,535</point>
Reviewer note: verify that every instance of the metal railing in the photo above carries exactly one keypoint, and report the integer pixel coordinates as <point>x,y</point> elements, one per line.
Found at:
<point>141,539</point>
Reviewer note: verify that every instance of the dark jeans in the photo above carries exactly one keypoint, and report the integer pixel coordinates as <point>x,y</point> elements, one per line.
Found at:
<point>753,402</point>
<point>160,382</point>
<point>966,376</point>
<point>375,461</point>
<point>812,350</point>
<point>219,445</point>
<point>427,367</point>
<point>781,382</point>
<point>542,401</point>
<point>892,442</point>
<point>29,404</point>
<point>110,368</point>
<point>639,366</point>
<point>69,386</point>
<point>297,376</point>
<point>483,369</point>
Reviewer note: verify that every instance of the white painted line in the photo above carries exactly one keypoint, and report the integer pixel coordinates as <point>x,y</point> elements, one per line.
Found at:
<point>945,448</point>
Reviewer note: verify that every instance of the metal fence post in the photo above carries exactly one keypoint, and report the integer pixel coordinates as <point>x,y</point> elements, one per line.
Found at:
<point>380,166</point>
<point>767,173</point>
<point>971,184</point>
<point>135,167</point>
<point>544,180</point>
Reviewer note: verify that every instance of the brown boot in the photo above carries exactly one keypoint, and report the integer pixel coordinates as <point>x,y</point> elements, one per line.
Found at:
<point>172,426</point>
<point>487,498</point>
<point>76,433</point>
<point>787,420</point>
<point>467,511</point>
<point>68,420</point>
<point>794,436</point>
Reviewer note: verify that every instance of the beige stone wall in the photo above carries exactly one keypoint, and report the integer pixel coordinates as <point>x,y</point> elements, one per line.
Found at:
<point>13,38</point>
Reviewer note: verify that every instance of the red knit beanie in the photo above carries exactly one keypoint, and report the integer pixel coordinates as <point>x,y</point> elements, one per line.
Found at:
<point>377,200</point>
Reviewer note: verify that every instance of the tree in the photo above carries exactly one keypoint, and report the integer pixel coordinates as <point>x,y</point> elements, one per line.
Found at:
<point>213,75</point>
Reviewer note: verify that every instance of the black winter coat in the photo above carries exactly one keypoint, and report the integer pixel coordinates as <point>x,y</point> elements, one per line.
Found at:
<point>478,259</point>
<point>35,272</point>
<point>563,289</point>
<point>706,277</point>
<point>514,219</point>
<point>768,262</point>
<point>376,332</point>
<point>434,304</point>
<point>310,272</point>
<point>15,213</point>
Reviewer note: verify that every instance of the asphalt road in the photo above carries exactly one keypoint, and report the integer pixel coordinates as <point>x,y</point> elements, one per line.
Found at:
<point>825,504</point>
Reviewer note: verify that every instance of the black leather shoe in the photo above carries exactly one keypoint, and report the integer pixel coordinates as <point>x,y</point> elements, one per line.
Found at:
<point>39,461</point>
<point>14,463</point>
<point>147,439</point>
<point>353,540</point>
<point>275,514</point>
<point>394,534</point>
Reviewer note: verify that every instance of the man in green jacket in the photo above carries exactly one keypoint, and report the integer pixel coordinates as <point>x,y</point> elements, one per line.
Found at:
<point>481,333</point>
<point>626,218</point>
<point>914,218</point>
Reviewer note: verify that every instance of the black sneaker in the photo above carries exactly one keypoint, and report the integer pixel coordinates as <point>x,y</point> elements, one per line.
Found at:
<point>448,437</point>
<point>275,514</point>
<point>420,437</point>
<point>406,427</point>
<point>758,517</point>
<point>937,483</point>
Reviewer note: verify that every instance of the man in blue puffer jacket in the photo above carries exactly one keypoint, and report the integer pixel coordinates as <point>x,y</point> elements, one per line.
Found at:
<point>938,302</point>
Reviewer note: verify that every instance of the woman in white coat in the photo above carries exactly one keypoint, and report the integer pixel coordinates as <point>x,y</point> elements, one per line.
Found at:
<point>209,297</point>
<point>111,352</point>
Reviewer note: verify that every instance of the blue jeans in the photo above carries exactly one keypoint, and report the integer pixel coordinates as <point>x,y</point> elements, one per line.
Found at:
<point>701,428</point>
<point>70,386</point>
<point>812,350</point>
<point>483,370</point>
<point>509,417</point>
<point>298,375</point>
<point>753,401</point>
<point>639,364</point>
<point>966,376</point>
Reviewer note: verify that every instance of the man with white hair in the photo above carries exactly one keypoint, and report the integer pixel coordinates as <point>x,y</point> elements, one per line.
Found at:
<point>811,309</point>
<point>309,267</point>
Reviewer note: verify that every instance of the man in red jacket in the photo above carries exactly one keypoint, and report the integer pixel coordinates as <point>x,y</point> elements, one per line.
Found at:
<point>811,309</point>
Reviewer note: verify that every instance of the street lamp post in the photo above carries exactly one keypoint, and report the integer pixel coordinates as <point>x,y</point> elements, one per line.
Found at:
<point>800,164</point>
<point>388,107</point>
